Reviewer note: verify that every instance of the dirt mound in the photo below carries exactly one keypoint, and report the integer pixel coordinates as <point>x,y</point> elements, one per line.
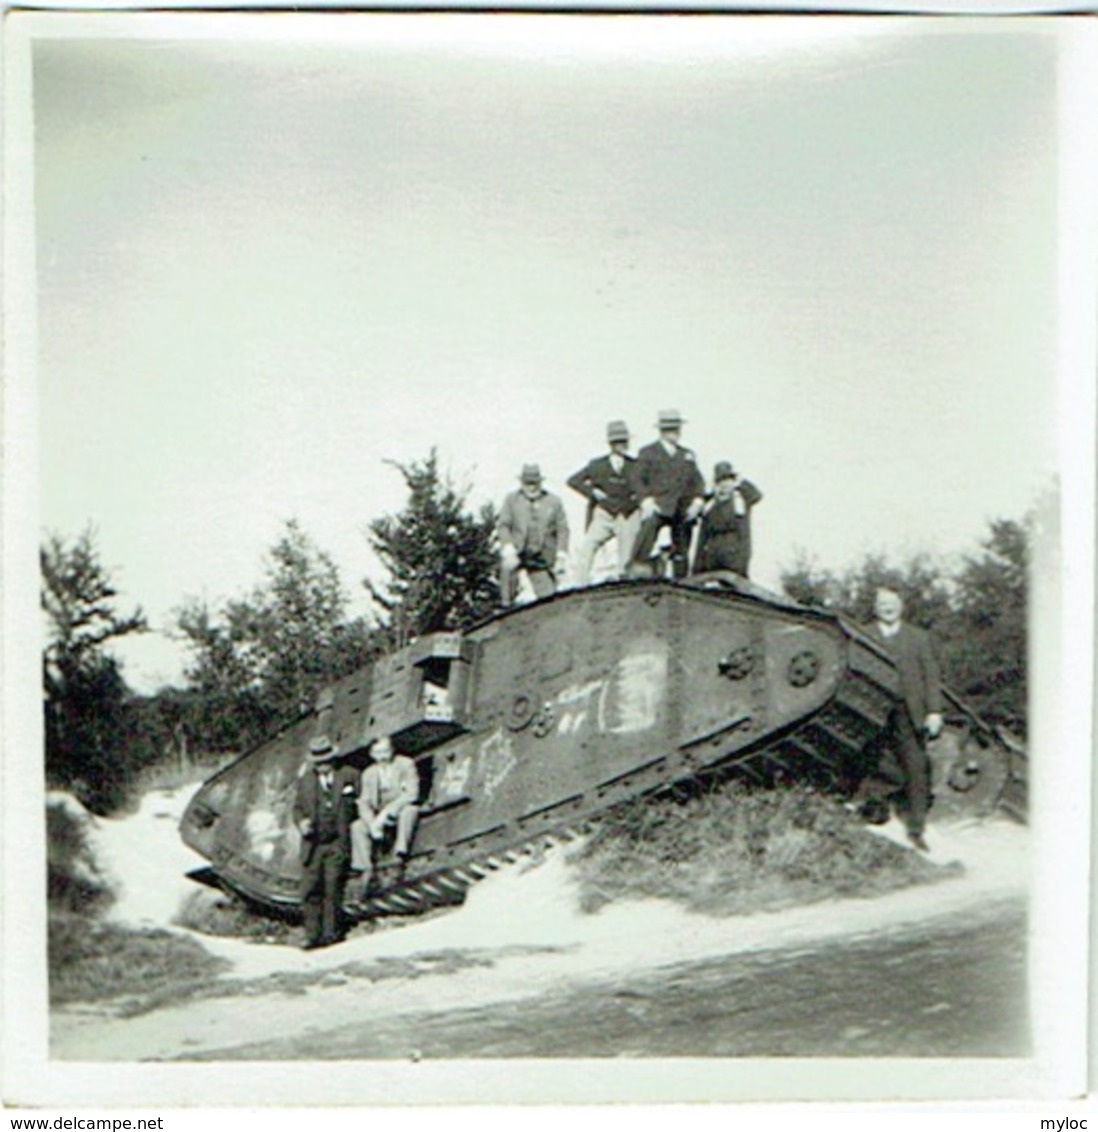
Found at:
<point>736,849</point>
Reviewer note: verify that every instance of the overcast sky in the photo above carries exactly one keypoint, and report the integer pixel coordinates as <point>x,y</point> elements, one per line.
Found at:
<point>266,265</point>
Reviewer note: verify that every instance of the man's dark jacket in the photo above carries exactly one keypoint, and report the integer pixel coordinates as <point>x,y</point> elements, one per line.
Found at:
<point>335,826</point>
<point>673,481</point>
<point>920,681</point>
<point>622,496</point>
<point>724,542</point>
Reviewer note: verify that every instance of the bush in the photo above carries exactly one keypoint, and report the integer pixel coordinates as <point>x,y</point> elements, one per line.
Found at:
<point>737,849</point>
<point>88,958</point>
<point>73,882</point>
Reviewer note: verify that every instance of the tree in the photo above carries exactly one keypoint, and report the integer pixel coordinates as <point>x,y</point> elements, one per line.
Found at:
<point>987,652</point>
<point>977,612</point>
<point>263,659</point>
<point>85,694</point>
<point>441,558</point>
<point>920,581</point>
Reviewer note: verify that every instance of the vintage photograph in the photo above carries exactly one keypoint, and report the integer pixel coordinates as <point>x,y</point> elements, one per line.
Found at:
<point>541,525</point>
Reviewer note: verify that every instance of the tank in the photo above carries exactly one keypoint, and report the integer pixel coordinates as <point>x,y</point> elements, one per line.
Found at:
<point>528,725</point>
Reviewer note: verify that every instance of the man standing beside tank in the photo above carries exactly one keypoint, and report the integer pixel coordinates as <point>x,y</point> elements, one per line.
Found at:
<point>608,483</point>
<point>533,536</point>
<point>671,490</point>
<point>325,805</point>
<point>724,540</point>
<point>903,773</point>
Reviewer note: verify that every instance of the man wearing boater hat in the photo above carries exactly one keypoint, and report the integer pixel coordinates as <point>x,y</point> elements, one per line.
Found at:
<point>533,536</point>
<point>608,483</point>
<point>671,490</point>
<point>325,805</point>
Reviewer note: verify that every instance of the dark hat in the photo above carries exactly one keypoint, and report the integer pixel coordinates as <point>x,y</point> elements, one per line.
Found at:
<point>723,471</point>
<point>321,749</point>
<point>669,418</point>
<point>531,473</point>
<point>617,430</point>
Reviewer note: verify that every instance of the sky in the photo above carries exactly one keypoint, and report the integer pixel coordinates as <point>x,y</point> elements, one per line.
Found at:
<point>271,259</point>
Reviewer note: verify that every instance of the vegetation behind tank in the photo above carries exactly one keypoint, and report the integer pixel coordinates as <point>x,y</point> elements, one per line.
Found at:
<point>734,849</point>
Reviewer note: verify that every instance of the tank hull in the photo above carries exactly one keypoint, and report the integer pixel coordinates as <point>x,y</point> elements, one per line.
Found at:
<point>535,721</point>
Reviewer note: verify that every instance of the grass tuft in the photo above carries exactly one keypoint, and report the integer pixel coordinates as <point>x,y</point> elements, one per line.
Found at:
<point>212,912</point>
<point>736,849</point>
<point>91,961</point>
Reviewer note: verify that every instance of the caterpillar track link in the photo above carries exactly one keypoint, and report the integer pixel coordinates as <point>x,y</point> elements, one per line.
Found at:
<point>529,725</point>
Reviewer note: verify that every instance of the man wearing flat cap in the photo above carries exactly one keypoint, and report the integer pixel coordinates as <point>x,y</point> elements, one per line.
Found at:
<point>533,537</point>
<point>671,490</point>
<point>325,805</point>
<point>609,484</point>
<point>724,540</point>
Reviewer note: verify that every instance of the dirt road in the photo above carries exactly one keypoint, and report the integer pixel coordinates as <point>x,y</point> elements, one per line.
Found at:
<point>945,989</point>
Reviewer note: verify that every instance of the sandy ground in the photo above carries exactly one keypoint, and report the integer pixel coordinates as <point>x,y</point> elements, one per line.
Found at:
<point>520,936</point>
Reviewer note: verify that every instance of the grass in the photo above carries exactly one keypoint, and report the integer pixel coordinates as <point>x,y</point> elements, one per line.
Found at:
<point>736,850</point>
<point>212,912</point>
<point>90,959</point>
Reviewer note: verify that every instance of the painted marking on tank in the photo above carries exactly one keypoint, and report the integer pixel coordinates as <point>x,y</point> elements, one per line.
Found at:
<point>497,760</point>
<point>455,776</point>
<point>631,699</point>
<point>264,831</point>
<point>577,693</point>
<point>571,721</point>
<point>627,700</point>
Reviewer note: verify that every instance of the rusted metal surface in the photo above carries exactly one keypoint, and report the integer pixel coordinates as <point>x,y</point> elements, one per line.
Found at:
<point>537,720</point>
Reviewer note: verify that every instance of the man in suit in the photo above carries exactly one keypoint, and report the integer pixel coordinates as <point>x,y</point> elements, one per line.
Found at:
<point>724,540</point>
<point>325,805</point>
<point>533,536</point>
<point>388,809</point>
<point>903,773</point>
<point>608,483</point>
<point>671,490</point>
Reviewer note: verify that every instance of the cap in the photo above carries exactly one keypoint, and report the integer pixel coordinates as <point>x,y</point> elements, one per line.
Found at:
<point>669,418</point>
<point>723,471</point>
<point>617,430</point>
<point>531,473</point>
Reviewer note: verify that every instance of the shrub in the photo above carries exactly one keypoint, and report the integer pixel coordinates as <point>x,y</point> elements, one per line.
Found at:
<point>737,849</point>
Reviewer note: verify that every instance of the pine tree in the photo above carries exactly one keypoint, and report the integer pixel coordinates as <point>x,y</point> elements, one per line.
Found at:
<point>441,558</point>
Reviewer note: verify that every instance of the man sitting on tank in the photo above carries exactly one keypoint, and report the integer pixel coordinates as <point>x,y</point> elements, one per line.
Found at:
<point>724,541</point>
<point>388,810</point>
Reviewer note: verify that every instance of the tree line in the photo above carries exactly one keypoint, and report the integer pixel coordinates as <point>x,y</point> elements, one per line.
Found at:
<point>257,661</point>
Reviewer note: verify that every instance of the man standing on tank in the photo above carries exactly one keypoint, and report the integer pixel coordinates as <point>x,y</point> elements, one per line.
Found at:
<point>903,773</point>
<point>608,483</point>
<point>671,490</point>
<point>724,540</point>
<point>533,536</point>
<point>325,805</point>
